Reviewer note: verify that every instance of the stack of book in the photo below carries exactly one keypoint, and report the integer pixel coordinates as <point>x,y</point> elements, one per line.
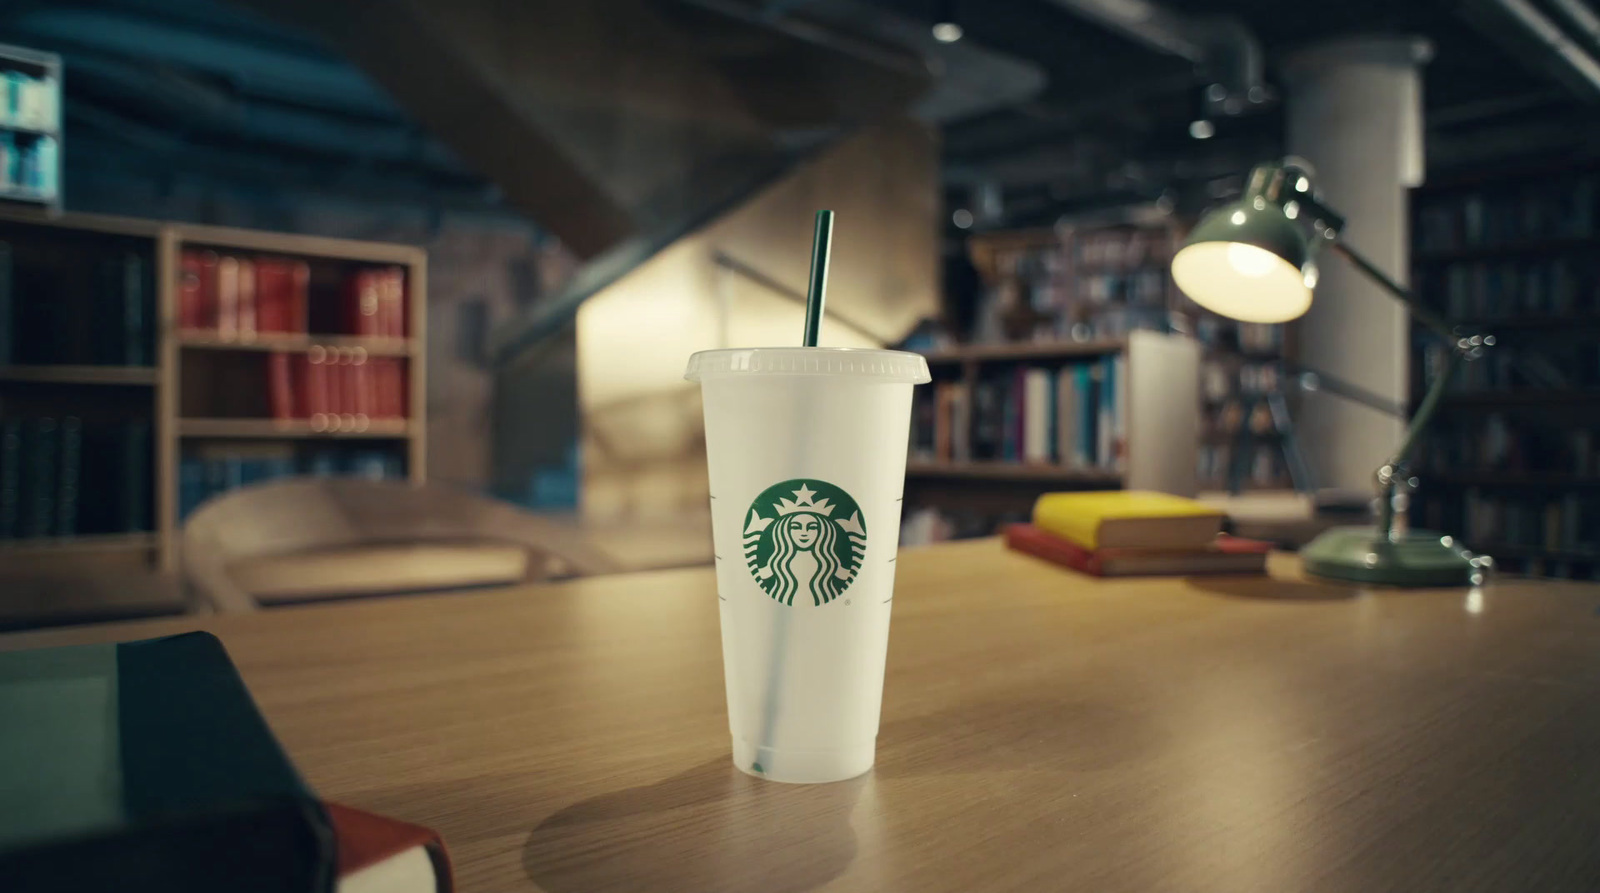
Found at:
<point>1072,415</point>
<point>60,478</point>
<point>1134,533</point>
<point>336,388</point>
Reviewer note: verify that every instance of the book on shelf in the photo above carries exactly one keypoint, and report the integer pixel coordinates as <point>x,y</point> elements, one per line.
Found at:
<point>237,298</point>
<point>1223,555</point>
<point>335,388</point>
<point>69,477</point>
<point>1072,415</point>
<point>210,469</point>
<point>1560,206</point>
<point>10,478</point>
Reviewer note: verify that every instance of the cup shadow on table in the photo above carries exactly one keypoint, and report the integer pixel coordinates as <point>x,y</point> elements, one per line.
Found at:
<point>1262,588</point>
<point>711,828</point>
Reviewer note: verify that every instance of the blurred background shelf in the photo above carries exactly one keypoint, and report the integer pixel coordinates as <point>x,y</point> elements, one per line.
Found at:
<point>1005,353</point>
<point>100,542</point>
<point>378,347</point>
<point>1013,471</point>
<point>103,375</point>
<point>274,429</point>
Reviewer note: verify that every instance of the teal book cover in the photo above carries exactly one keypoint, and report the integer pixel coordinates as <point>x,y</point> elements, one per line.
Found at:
<point>146,766</point>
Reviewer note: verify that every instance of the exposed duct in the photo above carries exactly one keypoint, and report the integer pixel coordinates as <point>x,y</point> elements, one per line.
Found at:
<point>1222,49</point>
<point>1562,56</point>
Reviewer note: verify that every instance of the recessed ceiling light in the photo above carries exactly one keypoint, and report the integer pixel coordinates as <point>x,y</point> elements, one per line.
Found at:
<point>947,32</point>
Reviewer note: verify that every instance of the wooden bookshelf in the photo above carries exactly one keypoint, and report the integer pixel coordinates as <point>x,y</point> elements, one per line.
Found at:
<point>1512,550</point>
<point>378,347</point>
<point>101,542</point>
<point>294,429</point>
<point>1155,413</point>
<point>104,375</point>
<point>189,363</point>
<point>1513,479</point>
<point>1508,250</point>
<point>1013,471</point>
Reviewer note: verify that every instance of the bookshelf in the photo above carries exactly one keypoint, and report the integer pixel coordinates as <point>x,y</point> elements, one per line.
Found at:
<point>1513,462</point>
<point>1001,424</point>
<point>122,329</point>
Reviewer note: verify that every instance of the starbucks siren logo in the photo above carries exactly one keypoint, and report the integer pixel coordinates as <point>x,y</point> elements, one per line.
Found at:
<point>804,536</point>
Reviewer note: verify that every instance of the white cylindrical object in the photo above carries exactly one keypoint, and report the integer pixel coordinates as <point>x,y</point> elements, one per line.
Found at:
<point>1354,111</point>
<point>806,449</point>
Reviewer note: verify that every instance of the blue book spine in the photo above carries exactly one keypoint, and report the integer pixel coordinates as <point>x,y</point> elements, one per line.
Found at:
<point>191,486</point>
<point>1086,414</point>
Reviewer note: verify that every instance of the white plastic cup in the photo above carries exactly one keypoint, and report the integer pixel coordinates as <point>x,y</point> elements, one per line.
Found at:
<point>806,448</point>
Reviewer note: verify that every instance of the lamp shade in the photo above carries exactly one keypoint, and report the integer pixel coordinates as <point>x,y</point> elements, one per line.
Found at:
<point>1246,261</point>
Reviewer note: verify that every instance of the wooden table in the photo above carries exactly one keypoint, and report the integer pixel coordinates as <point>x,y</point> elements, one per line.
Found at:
<point>1042,731</point>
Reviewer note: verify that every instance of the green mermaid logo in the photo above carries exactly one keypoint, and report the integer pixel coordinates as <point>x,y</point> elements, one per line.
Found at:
<point>804,536</point>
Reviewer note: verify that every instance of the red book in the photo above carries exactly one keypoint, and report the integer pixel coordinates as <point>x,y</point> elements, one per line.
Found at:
<point>280,386</point>
<point>344,383</point>
<point>228,297</point>
<point>272,290</point>
<point>382,855</point>
<point>197,290</point>
<point>247,300</point>
<point>314,387</point>
<point>190,270</point>
<point>361,387</point>
<point>1227,555</point>
<point>282,292</point>
<point>363,299</point>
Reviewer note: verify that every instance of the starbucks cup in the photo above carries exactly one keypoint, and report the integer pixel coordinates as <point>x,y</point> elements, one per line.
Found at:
<point>806,448</point>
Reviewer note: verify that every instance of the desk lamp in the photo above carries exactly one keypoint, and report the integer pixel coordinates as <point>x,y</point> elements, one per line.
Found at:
<point>1255,261</point>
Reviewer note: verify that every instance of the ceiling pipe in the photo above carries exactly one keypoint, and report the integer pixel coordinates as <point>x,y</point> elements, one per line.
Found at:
<point>1222,49</point>
<point>1567,59</point>
<point>1581,17</point>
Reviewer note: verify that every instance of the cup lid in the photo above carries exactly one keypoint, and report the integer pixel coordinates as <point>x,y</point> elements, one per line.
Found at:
<point>884,365</point>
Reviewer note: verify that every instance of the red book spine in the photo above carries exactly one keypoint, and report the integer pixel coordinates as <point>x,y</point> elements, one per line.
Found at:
<point>315,387</point>
<point>247,300</point>
<point>271,279</point>
<point>345,384</point>
<point>228,297</point>
<point>401,371</point>
<point>208,291</point>
<point>1030,540</point>
<point>361,385</point>
<point>190,270</point>
<point>280,386</point>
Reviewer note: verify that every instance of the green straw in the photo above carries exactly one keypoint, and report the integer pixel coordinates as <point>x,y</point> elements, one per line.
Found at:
<point>817,293</point>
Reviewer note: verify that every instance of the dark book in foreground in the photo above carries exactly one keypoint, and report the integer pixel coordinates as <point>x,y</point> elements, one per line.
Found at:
<point>1227,555</point>
<point>146,766</point>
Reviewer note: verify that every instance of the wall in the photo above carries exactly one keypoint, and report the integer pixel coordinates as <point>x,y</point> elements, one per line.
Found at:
<point>642,450</point>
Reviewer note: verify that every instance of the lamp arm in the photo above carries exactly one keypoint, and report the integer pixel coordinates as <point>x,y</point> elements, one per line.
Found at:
<point>1397,468</point>
<point>1433,321</point>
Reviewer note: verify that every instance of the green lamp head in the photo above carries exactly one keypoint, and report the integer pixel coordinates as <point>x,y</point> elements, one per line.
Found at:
<point>1250,260</point>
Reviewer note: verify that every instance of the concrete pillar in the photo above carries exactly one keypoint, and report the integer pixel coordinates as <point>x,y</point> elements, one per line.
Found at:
<point>1355,113</point>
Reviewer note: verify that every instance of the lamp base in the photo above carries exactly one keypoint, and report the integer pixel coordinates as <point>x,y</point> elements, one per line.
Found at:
<point>1416,558</point>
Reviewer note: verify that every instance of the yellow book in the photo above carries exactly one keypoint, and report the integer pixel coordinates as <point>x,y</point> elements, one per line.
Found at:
<point>1127,519</point>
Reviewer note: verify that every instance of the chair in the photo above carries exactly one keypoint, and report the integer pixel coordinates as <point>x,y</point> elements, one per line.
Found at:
<point>306,539</point>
